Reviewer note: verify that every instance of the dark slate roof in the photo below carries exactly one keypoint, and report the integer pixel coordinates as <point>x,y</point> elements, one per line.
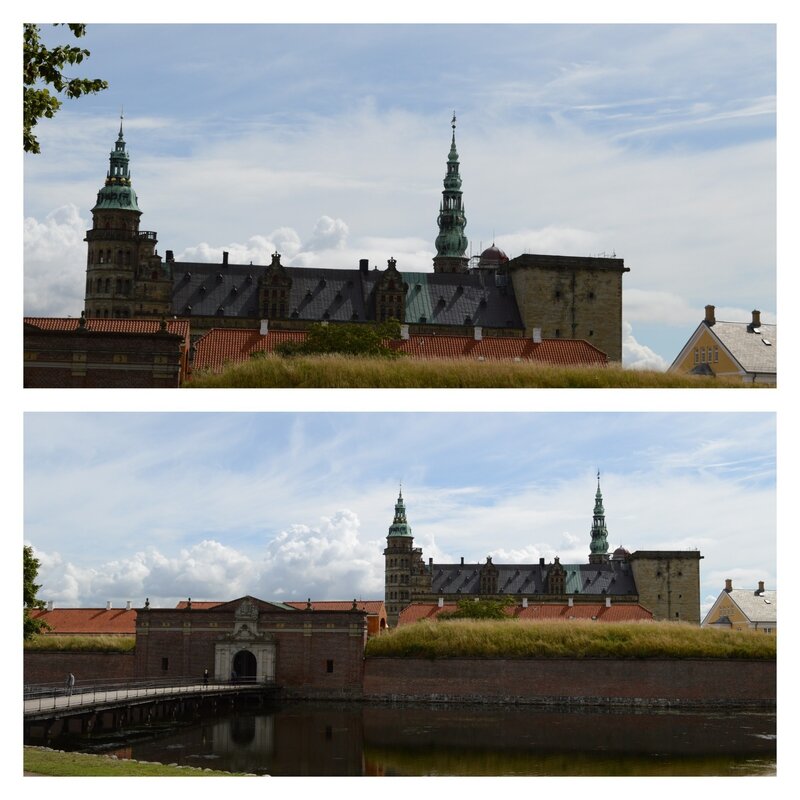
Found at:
<point>613,577</point>
<point>345,294</point>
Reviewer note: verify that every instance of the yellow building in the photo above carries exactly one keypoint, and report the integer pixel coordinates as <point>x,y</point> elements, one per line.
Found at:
<point>729,349</point>
<point>742,609</point>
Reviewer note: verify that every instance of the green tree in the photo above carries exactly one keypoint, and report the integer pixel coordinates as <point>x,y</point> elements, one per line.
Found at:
<point>30,569</point>
<point>42,66</point>
<point>357,339</point>
<point>478,609</point>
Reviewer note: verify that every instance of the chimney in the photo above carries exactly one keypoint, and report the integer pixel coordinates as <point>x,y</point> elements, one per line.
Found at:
<point>728,585</point>
<point>537,335</point>
<point>225,258</point>
<point>462,559</point>
<point>170,255</point>
<point>760,588</point>
<point>49,605</point>
<point>608,602</point>
<point>756,319</point>
<point>478,333</point>
<point>263,329</point>
<point>404,332</point>
<point>541,561</point>
<point>441,602</point>
<point>430,562</point>
<point>709,320</point>
<point>524,602</point>
<point>363,265</point>
<point>108,606</point>
<point>128,606</point>
<point>570,602</point>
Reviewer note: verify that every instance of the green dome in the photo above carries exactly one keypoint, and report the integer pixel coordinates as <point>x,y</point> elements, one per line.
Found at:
<point>400,526</point>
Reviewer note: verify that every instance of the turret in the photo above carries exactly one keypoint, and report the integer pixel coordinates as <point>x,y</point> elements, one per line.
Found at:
<point>598,549</point>
<point>124,276</point>
<point>451,243</point>
<point>399,557</point>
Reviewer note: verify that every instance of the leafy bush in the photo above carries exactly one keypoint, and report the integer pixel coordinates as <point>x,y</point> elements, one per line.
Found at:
<point>365,339</point>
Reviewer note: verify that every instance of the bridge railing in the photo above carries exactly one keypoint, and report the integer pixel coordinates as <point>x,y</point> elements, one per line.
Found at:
<point>46,696</point>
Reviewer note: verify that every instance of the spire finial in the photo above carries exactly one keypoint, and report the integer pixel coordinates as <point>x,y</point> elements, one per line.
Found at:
<point>121,117</point>
<point>453,122</point>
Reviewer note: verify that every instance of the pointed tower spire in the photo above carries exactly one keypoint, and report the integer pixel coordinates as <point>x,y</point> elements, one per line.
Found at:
<point>598,549</point>
<point>400,526</point>
<point>451,243</point>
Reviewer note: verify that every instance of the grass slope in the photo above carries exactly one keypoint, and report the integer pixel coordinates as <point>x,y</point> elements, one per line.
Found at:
<point>42,761</point>
<point>574,639</point>
<point>95,644</point>
<point>348,372</point>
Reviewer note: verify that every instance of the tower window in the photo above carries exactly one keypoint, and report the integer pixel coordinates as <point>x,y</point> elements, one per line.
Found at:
<point>329,665</point>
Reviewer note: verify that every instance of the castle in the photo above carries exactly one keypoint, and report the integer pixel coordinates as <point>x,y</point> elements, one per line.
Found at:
<point>666,582</point>
<point>538,296</point>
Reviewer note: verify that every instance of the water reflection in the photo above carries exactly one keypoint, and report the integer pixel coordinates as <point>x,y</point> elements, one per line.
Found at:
<point>327,739</point>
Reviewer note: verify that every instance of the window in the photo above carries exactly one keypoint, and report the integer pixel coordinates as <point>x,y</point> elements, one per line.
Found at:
<point>696,356</point>
<point>716,355</point>
<point>164,663</point>
<point>329,665</point>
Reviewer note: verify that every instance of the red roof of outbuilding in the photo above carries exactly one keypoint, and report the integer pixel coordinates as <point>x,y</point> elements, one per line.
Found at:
<point>101,325</point>
<point>616,612</point>
<point>220,346</point>
<point>370,606</point>
<point>95,621</point>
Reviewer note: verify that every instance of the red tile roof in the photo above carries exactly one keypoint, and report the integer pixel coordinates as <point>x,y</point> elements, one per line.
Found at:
<point>502,348</point>
<point>101,325</point>
<point>616,612</point>
<point>233,345</point>
<point>96,621</point>
<point>370,606</point>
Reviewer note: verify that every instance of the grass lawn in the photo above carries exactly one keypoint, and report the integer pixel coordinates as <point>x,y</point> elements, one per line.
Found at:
<point>42,761</point>
<point>568,639</point>
<point>341,372</point>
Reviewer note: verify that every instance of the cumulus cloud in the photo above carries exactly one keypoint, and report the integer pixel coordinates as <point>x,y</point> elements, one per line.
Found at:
<point>329,234</point>
<point>326,561</point>
<point>55,262</point>
<point>639,356</point>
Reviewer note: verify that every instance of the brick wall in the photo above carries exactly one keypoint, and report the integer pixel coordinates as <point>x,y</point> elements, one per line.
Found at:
<point>684,681</point>
<point>76,359</point>
<point>50,666</point>
<point>304,641</point>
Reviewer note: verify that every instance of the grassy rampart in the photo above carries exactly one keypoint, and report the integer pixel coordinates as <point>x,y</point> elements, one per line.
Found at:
<point>574,639</point>
<point>82,644</point>
<point>347,372</point>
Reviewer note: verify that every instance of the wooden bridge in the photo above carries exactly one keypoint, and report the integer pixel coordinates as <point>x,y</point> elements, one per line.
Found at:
<point>51,710</point>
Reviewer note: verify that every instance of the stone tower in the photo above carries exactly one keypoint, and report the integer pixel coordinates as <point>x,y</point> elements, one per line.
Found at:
<point>124,275</point>
<point>451,243</point>
<point>598,549</point>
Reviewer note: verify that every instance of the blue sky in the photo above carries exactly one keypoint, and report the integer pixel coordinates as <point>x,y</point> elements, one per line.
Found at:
<point>286,506</point>
<point>328,142</point>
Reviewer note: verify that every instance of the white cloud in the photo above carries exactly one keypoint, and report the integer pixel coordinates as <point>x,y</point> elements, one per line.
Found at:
<point>639,356</point>
<point>329,234</point>
<point>55,263</point>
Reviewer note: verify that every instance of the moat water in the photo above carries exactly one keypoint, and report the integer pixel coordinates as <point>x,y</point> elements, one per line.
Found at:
<point>327,739</point>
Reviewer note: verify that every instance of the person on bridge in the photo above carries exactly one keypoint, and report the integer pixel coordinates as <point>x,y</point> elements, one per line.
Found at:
<point>205,677</point>
<point>70,684</point>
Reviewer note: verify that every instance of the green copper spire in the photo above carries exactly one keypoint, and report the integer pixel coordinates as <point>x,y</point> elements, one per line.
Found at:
<point>400,526</point>
<point>599,546</point>
<point>451,243</point>
<point>118,192</point>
